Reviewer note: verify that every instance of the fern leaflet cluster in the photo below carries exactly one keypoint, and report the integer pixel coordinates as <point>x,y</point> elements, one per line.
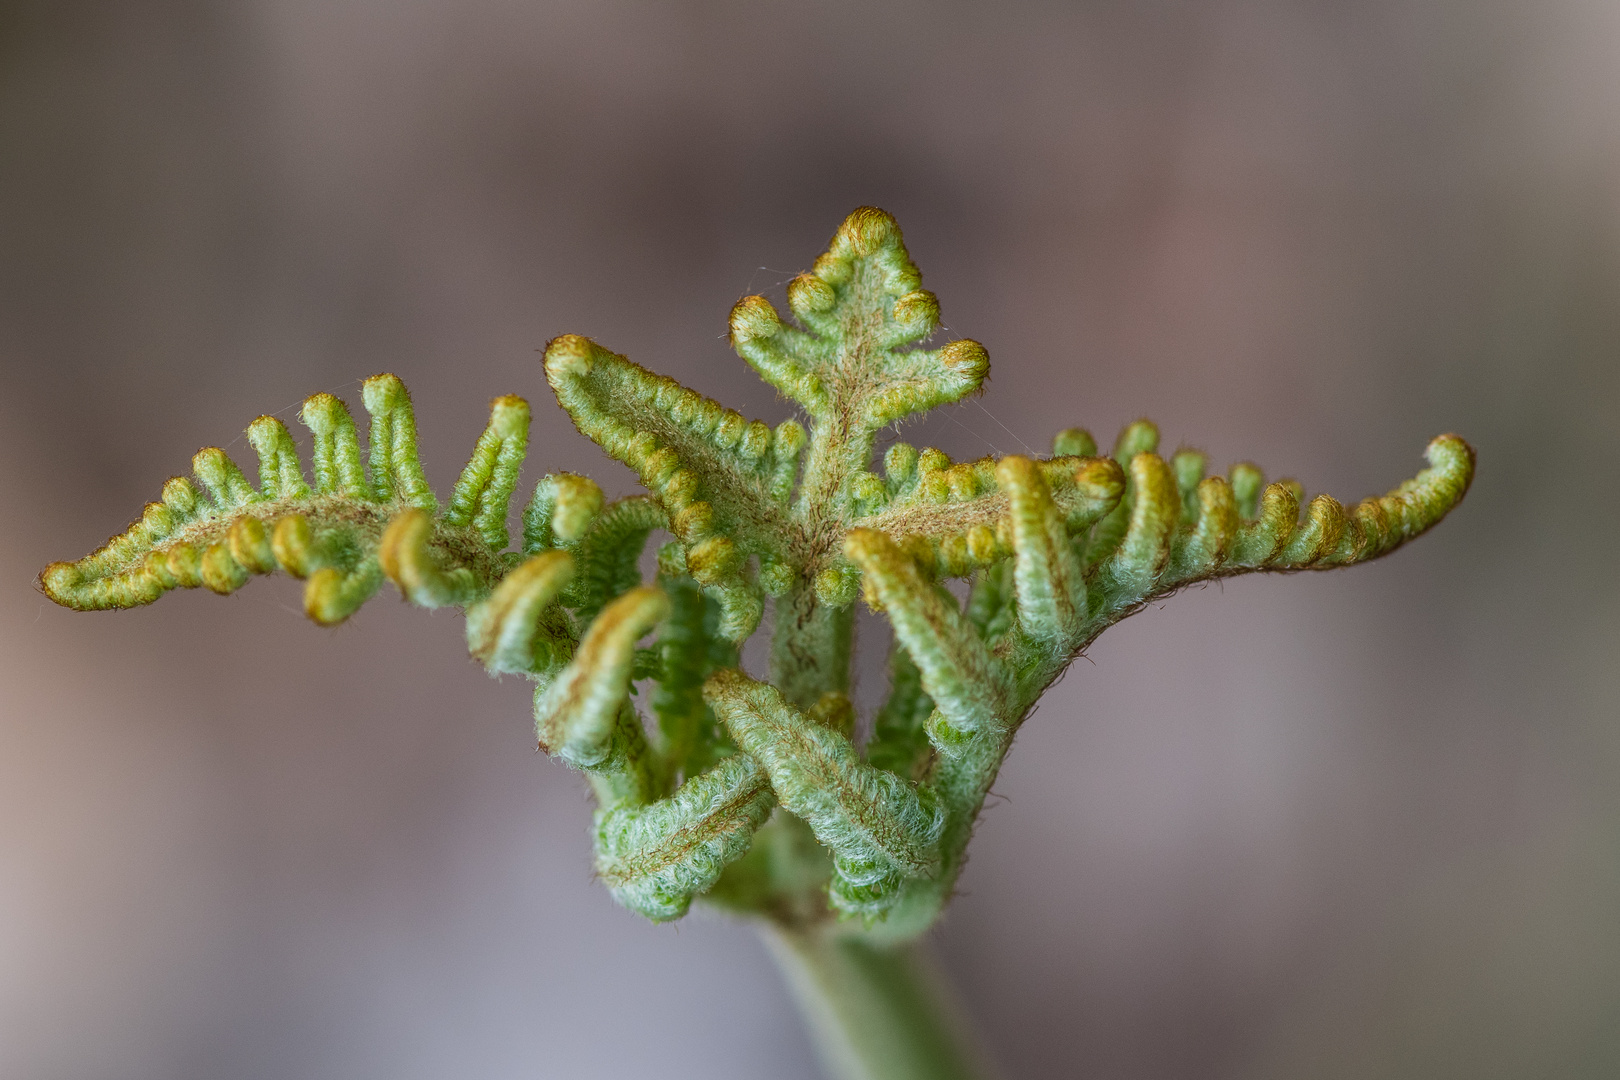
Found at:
<point>755,791</point>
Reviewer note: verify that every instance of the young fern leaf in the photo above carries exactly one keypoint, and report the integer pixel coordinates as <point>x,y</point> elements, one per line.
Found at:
<point>581,715</point>
<point>954,517</point>
<point>396,471</point>
<point>656,858</point>
<point>518,629</point>
<point>1047,574</point>
<point>429,578</point>
<point>757,791</point>
<point>1141,437</point>
<point>329,532</point>
<point>965,682</point>
<point>720,479</point>
<point>878,827</point>
<point>563,508</point>
<point>606,556</point>
<point>1183,528</point>
<point>859,305</point>
<point>485,488</point>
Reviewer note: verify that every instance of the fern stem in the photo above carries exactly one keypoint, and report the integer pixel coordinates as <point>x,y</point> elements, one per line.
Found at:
<point>810,648</point>
<point>875,1013</point>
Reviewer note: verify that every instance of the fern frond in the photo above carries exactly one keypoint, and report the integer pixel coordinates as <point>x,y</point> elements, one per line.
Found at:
<point>964,680</point>
<point>954,516</point>
<point>878,827</point>
<point>1047,575</point>
<point>584,716</point>
<point>656,858</point>
<point>720,478</point>
<point>331,532</point>
<point>519,629</point>
<point>485,488</point>
<point>1187,528</point>
<point>757,791</point>
<point>861,303</point>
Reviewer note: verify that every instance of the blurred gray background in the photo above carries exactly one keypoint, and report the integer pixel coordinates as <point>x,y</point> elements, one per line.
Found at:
<point>1361,824</point>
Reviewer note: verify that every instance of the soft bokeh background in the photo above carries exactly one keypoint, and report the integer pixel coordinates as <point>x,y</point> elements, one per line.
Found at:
<point>1361,824</point>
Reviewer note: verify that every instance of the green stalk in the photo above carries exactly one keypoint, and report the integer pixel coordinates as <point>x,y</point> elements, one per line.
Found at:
<point>875,1013</point>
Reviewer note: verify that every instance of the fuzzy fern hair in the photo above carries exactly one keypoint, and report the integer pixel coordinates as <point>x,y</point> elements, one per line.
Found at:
<point>753,792</point>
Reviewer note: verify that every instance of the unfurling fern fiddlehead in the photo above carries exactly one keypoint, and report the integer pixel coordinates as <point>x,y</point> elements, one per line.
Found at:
<point>754,790</point>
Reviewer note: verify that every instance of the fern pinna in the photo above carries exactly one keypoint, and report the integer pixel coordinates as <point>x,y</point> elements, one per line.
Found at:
<point>752,789</point>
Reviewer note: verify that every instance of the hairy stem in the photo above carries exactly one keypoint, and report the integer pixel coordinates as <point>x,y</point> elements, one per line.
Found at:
<point>810,649</point>
<point>875,1013</point>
